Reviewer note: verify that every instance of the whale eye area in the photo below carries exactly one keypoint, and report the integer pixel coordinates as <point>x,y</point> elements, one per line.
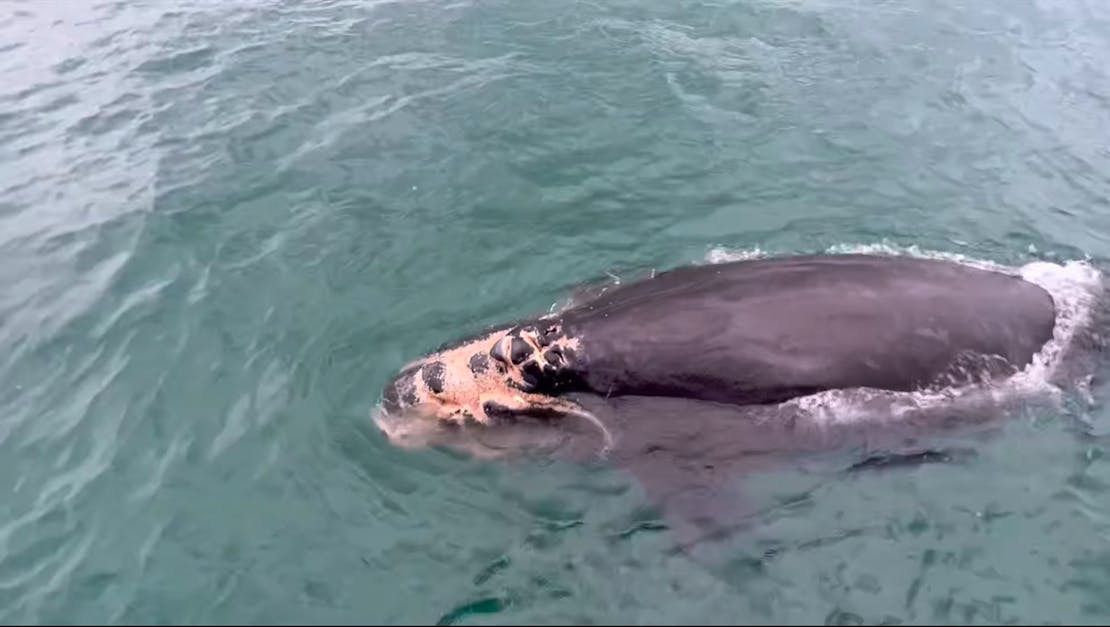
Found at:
<point>493,409</point>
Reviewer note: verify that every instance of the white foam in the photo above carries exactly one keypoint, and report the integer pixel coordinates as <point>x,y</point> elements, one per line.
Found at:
<point>1075,287</point>
<point>724,255</point>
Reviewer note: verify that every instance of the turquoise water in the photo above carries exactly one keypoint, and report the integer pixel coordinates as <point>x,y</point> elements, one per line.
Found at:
<point>224,225</point>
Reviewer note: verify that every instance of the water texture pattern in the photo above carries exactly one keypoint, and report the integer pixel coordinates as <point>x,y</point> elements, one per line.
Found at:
<point>224,225</point>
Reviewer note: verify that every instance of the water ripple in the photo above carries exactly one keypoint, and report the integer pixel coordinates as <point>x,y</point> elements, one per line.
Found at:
<point>223,225</point>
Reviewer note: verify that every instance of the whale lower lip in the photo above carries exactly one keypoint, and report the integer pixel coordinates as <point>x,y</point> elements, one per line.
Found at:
<point>401,430</point>
<point>385,421</point>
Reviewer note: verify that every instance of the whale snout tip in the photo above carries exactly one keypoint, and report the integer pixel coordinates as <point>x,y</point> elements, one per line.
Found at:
<point>400,415</point>
<point>423,404</point>
<point>404,391</point>
<point>400,428</point>
<point>401,391</point>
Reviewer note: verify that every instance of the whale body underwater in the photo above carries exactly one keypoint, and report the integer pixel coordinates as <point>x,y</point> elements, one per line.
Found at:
<point>704,372</point>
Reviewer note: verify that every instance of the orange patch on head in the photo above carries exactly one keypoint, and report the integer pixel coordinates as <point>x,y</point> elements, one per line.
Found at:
<point>447,384</point>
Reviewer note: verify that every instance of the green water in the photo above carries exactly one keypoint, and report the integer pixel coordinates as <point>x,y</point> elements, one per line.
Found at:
<point>223,225</point>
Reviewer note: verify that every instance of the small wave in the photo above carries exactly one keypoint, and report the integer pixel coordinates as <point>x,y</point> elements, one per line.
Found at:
<point>1076,287</point>
<point>724,255</point>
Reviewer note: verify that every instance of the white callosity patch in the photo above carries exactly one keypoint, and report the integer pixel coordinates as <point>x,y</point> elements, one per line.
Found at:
<point>461,392</point>
<point>1075,287</point>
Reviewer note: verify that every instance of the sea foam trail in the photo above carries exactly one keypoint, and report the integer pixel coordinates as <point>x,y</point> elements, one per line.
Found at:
<point>1076,288</point>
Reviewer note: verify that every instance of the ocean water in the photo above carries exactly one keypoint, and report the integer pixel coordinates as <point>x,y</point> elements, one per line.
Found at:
<point>224,225</point>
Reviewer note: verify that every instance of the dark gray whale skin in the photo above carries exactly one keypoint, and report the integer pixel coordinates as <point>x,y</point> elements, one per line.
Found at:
<point>764,331</point>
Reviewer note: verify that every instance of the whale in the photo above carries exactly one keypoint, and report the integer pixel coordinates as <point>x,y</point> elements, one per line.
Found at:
<point>700,373</point>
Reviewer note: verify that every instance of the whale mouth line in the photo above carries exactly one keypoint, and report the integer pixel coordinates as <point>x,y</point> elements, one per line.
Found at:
<point>414,428</point>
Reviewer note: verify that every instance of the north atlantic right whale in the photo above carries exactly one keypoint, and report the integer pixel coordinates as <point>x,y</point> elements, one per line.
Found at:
<point>704,371</point>
<point>746,332</point>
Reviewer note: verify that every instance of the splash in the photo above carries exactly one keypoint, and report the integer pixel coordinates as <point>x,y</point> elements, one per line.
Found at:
<point>1076,288</point>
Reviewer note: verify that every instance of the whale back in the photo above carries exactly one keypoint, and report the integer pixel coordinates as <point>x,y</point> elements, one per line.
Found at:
<point>762,331</point>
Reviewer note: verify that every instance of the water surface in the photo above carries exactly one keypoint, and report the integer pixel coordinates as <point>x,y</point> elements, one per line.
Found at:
<point>223,225</point>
